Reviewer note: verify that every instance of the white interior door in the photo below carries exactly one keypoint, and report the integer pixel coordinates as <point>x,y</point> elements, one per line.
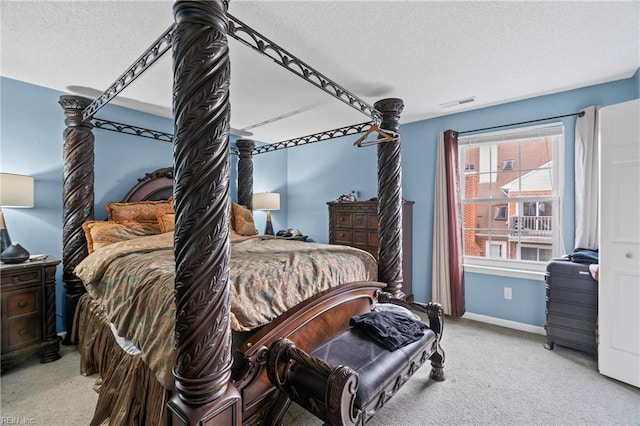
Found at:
<point>619,251</point>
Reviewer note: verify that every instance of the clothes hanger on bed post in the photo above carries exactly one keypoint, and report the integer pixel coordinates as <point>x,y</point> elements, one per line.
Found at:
<point>384,136</point>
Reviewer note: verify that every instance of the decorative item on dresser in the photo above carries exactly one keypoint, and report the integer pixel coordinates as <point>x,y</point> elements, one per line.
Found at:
<point>355,224</point>
<point>28,295</point>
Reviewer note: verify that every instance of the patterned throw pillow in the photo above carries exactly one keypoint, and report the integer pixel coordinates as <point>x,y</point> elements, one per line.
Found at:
<point>243,220</point>
<point>167,222</point>
<point>140,211</point>
<point>100,233</point>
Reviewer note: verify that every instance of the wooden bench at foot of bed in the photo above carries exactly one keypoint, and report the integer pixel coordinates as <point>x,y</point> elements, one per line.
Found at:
<point>347,379</point>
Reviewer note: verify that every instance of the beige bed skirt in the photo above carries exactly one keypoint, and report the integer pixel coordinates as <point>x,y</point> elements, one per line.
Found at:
<point>128,392</point>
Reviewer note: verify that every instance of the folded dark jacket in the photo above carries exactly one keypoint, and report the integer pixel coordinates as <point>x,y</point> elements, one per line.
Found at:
<point>390,329</point>
<point>585,256</point>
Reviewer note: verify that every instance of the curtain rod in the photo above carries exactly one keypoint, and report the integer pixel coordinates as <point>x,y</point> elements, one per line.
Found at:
<point>579,114</point>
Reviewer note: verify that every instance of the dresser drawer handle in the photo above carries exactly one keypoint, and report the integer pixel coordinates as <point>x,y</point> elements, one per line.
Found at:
<point>23,332</point>
<point>341,219</point>
<point>342,234</point>
<point>22,304</point>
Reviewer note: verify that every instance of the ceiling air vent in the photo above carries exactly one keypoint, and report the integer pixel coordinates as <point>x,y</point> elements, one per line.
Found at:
<point>458,102</point>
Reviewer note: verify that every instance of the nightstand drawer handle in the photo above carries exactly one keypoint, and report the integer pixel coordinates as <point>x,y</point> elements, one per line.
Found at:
<point>342,234</point>
<point>23,332</point>
<point>22,304</point>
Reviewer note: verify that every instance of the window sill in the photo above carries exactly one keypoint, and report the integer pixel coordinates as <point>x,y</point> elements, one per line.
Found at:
<point>507,272</point>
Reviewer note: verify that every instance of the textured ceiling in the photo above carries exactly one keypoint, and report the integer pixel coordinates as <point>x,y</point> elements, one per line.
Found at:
<point>427,53</point>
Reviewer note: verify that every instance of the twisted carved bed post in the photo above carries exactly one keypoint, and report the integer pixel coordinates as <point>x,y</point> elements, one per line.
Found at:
<point>245,172</point>
<point>390,200</point>
<point>78,179</point>
<point>201,69</point>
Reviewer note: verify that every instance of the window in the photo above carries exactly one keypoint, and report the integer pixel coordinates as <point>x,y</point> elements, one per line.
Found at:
<point>508,213</point>
<point>501,213</point>
<point>536,254</point>
<point>488,163</point>
<point>507,164</point>
<point>496,250</point>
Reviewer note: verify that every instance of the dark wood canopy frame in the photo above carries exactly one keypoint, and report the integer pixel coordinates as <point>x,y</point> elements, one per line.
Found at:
<point>205,392</point>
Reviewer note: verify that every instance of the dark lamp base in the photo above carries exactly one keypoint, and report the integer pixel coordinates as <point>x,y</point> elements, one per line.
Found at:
<point>269,229</point>
<point>15,253</point>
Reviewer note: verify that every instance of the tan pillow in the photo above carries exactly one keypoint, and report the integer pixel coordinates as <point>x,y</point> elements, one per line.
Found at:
<point>167,222</point>
<point>232,221</point>
<point>101,233</point>
<point>140,211</point>
<point>243,220</point>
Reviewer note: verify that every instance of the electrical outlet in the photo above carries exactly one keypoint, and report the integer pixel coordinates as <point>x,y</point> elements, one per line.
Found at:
<point>507,293</point>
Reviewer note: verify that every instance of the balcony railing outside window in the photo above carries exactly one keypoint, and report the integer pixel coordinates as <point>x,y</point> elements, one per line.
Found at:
<point>531,226</point>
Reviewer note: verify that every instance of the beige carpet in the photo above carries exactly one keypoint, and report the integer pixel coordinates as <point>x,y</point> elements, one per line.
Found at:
<point>495,376</point>
<point>48,394</point>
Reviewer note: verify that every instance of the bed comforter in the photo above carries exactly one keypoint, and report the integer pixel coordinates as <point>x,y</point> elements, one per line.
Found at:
<point>134,283</point>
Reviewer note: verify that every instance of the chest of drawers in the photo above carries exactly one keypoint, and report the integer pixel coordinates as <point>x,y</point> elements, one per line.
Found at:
<point>27,292</point>
<point>356,224</point>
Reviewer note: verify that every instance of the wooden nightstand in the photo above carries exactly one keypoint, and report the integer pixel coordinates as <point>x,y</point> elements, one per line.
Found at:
<point>28,293</point>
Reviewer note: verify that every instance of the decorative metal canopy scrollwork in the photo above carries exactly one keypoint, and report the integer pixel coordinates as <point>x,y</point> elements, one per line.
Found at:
<point>138,131</point>
<point>317,137</point>
<point>148,58</point>
<point>131,130</point>
<point>250,37</point>
<point>168,137</point>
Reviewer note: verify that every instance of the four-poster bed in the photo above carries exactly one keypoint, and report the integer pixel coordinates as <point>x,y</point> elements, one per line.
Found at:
<point>210,387</point>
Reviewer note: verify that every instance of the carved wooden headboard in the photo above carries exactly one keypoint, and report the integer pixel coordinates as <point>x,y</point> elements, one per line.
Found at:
<point>157,185</point>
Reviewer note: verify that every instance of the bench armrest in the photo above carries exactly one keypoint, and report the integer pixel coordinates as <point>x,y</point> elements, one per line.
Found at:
<point>341,381</point>
<point>436,323</point>
<point>433,310</point>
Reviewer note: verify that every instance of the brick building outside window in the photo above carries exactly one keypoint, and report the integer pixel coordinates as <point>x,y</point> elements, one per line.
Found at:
<point>508,195</point>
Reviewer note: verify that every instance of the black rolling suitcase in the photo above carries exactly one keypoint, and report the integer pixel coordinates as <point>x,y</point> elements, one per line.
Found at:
<point>571,306</point>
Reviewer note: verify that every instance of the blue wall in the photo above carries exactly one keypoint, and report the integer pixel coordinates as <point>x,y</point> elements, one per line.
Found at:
<point>31,143</point>
<point>319,173</point>
<point>519,308</point>
<point>307,177</point>
<point>270,175</point>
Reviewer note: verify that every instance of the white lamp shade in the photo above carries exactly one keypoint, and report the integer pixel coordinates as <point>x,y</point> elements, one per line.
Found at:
<point>266,201</point>
<point>16,190</point>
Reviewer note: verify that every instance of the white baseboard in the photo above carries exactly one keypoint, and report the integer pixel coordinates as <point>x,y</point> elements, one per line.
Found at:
<point>505,323</point>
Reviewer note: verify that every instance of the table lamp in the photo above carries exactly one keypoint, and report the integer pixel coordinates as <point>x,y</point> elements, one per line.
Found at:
<point>267,201</point>
<point>15,191</point>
